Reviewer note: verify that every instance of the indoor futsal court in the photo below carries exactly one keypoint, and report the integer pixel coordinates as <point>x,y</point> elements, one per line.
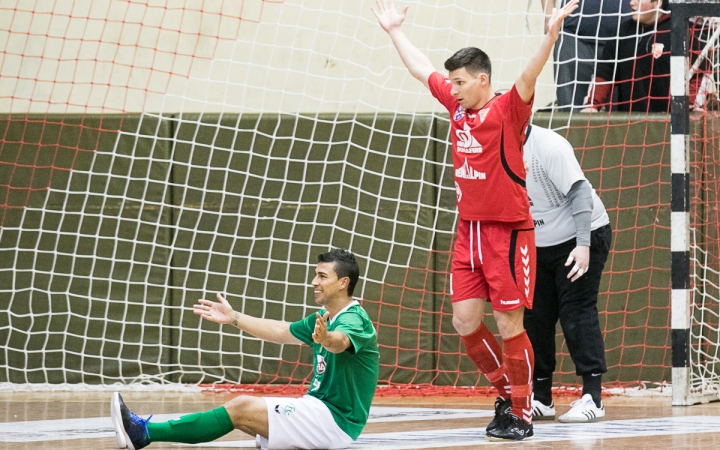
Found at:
<point>33,420</point>
<point>155,154</point>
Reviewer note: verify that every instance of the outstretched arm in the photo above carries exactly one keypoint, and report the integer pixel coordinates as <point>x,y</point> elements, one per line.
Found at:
<point>333,341</point>
<point>525,85</point>
<point>390,20</point>
<point>266,329</point>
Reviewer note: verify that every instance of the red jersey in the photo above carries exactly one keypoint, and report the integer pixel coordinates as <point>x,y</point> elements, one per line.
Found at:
<point>487,154</point>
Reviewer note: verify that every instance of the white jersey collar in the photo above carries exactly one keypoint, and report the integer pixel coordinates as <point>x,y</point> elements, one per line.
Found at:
<point>352,303</point>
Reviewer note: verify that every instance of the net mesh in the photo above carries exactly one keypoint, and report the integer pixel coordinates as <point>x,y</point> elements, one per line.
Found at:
<point>704,379</point>
<point>154,153</point>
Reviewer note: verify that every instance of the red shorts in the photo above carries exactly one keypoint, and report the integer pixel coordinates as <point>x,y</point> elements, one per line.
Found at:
<point>495,261</point>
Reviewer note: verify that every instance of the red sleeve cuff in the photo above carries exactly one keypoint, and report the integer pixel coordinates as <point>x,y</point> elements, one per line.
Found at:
<point>599,94</point>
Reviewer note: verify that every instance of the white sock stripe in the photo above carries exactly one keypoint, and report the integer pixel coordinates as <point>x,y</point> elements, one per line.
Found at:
<point>530,369</point>
<point>497,361</point>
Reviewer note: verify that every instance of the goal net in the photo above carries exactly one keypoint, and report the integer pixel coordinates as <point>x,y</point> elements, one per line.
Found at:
<point>153,153</point>
<point>704,316</point>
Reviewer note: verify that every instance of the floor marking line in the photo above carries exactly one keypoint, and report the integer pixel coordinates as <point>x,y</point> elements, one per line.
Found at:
<point>101,427</point>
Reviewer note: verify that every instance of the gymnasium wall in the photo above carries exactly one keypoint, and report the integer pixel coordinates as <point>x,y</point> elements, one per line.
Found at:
<point>251,56</point>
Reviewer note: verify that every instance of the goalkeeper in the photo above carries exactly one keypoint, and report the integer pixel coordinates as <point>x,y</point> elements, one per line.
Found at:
<point>494,254</point>
<point>573,236</point>
<point>335,409</point>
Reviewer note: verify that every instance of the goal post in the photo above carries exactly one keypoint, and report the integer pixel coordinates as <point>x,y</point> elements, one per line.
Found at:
<point>694,299</point>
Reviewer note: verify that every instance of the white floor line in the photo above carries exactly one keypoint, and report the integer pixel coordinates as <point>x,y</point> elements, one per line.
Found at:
<point>101,427</point>
<point>584,434</point>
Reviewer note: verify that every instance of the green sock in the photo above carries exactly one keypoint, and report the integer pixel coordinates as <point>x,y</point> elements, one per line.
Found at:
<point>192,428</point>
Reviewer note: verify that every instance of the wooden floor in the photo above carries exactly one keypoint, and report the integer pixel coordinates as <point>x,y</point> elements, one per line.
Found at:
<point>16,407</point>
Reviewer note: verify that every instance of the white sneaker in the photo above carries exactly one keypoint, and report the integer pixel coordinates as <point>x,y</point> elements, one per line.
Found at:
<point>116,419</point>
<point>583,410</point>
<point>542,412</point>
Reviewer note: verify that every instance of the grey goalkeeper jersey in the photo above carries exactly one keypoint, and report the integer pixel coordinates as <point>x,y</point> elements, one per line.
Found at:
<point>552,170</point>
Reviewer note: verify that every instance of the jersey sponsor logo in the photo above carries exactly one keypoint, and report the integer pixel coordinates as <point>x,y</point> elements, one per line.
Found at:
<point>285,410</point>
<point>466,142</point>
<point>458,192</point>
<point>459,113</point>
<point>510,302</point>
<point>468,173</point>
<point>321,364</point>
<point>538,222</point>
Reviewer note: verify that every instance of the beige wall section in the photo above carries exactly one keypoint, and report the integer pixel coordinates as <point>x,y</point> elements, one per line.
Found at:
<point>245,55</point>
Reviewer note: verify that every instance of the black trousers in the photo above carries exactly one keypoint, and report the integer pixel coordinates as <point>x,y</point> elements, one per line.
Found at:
<point>573,303</point>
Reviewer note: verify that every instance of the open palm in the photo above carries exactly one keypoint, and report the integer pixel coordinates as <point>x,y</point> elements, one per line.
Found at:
<point>558,15</point>
<point>387,15</point>
<point>219,312</point>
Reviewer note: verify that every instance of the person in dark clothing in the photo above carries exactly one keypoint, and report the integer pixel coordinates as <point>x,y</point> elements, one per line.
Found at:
<point>636,66</point>
<point>582,40</point>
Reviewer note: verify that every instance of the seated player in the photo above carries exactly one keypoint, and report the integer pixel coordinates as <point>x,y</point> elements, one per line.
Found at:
<point>335,409</point>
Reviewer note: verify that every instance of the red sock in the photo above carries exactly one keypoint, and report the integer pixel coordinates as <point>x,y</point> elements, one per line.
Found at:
<point>484,350</point>
<point>520,359</point>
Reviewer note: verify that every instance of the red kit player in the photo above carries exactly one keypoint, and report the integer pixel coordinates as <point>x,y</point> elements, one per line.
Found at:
<point>494,255</point>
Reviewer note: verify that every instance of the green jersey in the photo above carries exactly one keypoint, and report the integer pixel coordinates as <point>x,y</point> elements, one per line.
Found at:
<point>346,381</point>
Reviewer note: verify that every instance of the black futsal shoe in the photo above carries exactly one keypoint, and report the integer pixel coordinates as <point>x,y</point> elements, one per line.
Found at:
<point>515,429</point>
<point>503,408</point>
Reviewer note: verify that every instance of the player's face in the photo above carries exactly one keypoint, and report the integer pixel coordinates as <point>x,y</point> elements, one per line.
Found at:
<point>326,284</point>
<point>468,89</point>
<point>645,11</point>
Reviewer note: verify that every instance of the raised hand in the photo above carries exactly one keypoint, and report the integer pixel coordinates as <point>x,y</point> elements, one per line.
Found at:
<point>220,312</point>
<point>320,334</point>
<point>557,17</point>
<point>387,15</point>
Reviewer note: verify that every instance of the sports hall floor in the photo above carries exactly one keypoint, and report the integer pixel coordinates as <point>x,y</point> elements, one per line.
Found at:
<point>81,420</point>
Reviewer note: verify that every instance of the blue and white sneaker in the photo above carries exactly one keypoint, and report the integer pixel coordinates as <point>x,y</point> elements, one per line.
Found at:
<point>117,420</point>
<point>130,430</point>
<point>583,410</point>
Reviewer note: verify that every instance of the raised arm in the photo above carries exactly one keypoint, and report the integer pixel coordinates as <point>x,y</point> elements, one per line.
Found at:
<point>390,20</point>
<point>548,6</point>
<point>266,329</point>
<point>525,85</point>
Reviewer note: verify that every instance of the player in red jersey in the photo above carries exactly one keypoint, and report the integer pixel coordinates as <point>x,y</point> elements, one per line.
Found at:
<point>494,255</point>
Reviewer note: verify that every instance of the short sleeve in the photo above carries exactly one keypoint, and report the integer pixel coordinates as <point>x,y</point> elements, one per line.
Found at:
<point>440,88</point>
<point>358,330</point>
<point>518,111</point>
<point>303,329</point>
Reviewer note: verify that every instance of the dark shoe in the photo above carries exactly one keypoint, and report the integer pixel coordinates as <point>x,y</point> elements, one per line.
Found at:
<point>502,412</point>
<point>515,429</point>
<point>130,430</point>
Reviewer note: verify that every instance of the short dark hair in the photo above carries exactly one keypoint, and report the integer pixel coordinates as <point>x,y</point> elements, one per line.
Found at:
<point>345,266</point>
<point>474,60</point>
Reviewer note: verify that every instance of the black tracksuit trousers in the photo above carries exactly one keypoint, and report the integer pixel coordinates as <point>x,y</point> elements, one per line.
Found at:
<point>574,304</point>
